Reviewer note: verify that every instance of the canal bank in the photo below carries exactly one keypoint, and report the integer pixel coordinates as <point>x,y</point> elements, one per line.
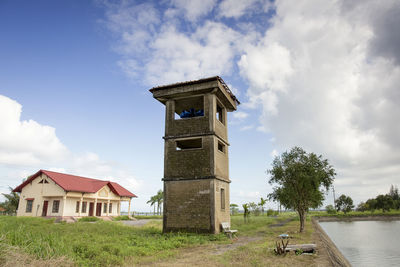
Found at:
<point>327,247</point>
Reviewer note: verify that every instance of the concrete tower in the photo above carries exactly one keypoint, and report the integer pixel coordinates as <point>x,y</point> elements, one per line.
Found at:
<point>196,164</point>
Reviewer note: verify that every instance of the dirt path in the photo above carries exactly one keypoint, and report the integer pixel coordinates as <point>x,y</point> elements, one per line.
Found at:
<point>205,255</point>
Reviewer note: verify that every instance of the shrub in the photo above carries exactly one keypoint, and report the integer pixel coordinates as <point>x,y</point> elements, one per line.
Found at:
<point>330,209</point>
<point>88,219</point>
<point>122,218</point>
<point>270,212</point>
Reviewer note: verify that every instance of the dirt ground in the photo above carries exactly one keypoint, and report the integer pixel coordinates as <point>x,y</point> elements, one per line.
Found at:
<point>239,253</point>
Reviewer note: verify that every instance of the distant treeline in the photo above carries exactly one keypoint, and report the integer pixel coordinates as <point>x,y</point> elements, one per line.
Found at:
<point>383,202</point>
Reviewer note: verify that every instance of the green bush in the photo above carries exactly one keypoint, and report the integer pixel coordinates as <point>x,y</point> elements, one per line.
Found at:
<point>270,212</point>
<point>122,218</point>
<point>330,209</point>
<point>88,219</point>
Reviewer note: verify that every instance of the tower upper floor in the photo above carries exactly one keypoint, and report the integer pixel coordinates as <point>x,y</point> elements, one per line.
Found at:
<point>196,108</point>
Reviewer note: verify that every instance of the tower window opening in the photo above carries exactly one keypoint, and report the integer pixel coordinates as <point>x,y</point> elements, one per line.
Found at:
<point>222,198</point>
<point>220,113</point>
<point>186,144</point>
<point>189,107</point>
<point>221,147</point>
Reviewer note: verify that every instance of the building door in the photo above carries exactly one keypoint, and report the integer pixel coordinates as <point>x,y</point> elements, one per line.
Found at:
<point>98,209</point>
<point>91,207</point>
<point>45,205</point>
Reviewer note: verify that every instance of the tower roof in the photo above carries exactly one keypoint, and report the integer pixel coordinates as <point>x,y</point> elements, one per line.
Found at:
<point>164,92</point>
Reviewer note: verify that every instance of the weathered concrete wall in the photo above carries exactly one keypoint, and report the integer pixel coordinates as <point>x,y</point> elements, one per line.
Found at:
<point>188,205</point>
<point>221,161</point>
<point>221,215</point>
<point>190,163</point>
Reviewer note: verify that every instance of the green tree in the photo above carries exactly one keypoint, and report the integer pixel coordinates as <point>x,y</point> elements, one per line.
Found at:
<point>11,203</point>
<point>262,204</point>
<point>362,206</point>
<point>344,203</point>
<point>246,214</point>
<point>394,192</point>
<point>152,202</point>
<point>371,204</point>
<point>255,209</point>
<point>384,202</point>
<point>160,200</point>
<point>234,208</point>
<point>300,178</point>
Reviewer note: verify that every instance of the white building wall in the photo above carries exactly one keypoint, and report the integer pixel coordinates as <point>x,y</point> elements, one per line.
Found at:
<point>40,192</point>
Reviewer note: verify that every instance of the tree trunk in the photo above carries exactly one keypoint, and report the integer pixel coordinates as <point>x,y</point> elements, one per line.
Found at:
<point>302,220</point>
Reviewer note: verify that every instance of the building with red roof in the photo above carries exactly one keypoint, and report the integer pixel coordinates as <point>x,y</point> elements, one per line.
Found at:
<point>54,194</point>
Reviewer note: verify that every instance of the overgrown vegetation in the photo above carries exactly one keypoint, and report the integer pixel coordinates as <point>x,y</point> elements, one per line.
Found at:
<point>98,244</point>
<point>122,218</point>
<point>88,219</point>
<point>10,205</point>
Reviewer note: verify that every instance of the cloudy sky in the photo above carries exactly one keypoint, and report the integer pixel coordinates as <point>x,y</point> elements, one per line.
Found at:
<point>323,75</point>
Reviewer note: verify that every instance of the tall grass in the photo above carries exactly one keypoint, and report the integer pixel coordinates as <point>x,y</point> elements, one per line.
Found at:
<point>99,244</point>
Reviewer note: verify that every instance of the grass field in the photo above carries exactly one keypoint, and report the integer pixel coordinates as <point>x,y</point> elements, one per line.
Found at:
<point>41,242</point>
<point>92,244</point>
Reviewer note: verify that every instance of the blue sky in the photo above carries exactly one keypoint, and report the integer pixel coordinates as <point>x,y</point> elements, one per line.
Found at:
<point>74,80</point>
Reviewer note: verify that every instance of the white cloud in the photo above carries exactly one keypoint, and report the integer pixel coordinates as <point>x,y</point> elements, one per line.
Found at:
<point>238,8</point>
<point>274,153</point>
<point>247,127</point>
<point>26,142</point>
<point>194,9</point>
<point>240,115</point>
<point>164,54</point>
<point>321,87</point>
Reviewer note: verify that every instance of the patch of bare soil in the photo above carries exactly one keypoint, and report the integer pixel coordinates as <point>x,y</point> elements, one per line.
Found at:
<point>282,223</point>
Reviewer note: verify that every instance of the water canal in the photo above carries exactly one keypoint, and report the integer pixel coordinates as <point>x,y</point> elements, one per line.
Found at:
<point>366,243</point>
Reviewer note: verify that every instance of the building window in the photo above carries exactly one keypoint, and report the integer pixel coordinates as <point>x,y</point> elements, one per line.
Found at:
<point>77,207</point>
<point>222,198</point>
<point>84,207</point>
<point>110,208</point>
<point>105,208</point>
<point>220,113</point>
<point>221,147</point>
<point>56,206</point>
<point>29,204</point>
<point>194,143</point>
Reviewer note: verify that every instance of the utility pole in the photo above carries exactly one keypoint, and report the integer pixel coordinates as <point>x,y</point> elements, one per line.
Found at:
<point>334,197</point>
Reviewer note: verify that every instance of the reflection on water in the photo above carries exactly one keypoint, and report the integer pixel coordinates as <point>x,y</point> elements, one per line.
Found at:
<point>367,243</point>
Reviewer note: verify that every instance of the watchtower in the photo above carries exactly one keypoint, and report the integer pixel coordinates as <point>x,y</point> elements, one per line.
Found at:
<point>196,171</point>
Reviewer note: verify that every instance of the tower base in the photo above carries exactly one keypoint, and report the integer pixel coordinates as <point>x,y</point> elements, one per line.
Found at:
<point>195,205</point>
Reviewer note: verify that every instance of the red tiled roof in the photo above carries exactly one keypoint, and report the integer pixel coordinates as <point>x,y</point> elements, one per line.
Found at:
<point>78,184</point>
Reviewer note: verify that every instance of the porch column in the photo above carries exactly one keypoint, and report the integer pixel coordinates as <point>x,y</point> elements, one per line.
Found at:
<point>64,202</point>
<point>119,208</point>
<point>95,207</point>
<point>80,206</point>
<point>108,207</point>
<point>129,208</point>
